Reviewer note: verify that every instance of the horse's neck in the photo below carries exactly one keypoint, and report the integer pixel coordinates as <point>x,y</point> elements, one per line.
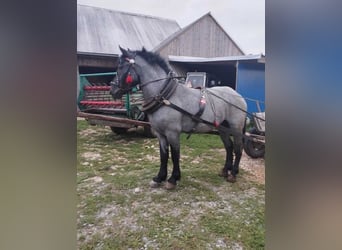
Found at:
<point>152,86</point>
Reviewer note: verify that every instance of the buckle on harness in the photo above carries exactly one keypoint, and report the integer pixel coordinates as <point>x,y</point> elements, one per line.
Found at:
<point>166,102</point>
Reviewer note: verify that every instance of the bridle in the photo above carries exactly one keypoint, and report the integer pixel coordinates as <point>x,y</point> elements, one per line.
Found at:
<point>128,77</point>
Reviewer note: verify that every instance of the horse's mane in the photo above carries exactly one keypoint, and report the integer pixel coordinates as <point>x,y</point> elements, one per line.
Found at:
<point>154,58</point>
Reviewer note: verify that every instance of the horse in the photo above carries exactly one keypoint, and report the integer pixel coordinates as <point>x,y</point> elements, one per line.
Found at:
<point>173,108</point>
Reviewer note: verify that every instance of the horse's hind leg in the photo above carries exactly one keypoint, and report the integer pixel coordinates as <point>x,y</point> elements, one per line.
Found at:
<point>228,144</point>
<point>238,146</point>
<point>164,157</point>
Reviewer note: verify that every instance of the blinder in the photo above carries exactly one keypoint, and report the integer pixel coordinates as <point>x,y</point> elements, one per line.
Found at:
<point>130,77</point>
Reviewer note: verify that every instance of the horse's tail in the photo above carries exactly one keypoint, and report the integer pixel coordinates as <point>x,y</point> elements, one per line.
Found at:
<point>244,131</point>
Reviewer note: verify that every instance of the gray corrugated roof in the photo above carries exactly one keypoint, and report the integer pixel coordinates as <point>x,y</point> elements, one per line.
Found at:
<point>102,30</point>
<point>214,59</point>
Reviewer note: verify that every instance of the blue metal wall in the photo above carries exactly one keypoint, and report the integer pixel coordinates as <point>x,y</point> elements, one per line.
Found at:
<point>250,83</point>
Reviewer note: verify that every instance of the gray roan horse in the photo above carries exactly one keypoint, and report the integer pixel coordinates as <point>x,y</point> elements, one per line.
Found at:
<point>173,108</point>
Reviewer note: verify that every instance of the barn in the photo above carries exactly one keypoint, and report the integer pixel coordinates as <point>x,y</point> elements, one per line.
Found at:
<point>101,31</point>
<point>201,46</point>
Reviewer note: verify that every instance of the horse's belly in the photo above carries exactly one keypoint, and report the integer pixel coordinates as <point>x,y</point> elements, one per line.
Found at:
<point>203,128</point>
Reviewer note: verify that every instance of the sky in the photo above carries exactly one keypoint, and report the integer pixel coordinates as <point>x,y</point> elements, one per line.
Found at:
<point>243,20</point>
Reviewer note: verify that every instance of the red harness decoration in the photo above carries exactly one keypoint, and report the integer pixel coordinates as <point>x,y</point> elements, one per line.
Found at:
<point>216,124</point>
<point>129,79</point>
<point>202,104</point>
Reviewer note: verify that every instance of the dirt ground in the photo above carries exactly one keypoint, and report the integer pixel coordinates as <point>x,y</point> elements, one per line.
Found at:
<point>254,166</point>
<point>118,210</point>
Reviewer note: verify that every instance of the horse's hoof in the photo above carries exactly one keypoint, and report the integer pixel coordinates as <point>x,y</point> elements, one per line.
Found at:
<point>223,174</point>
<point>170,186</point>
<point>231,178</point>
<point>154,184</point>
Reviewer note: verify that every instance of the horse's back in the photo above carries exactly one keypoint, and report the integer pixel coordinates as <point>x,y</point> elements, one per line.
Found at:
<point>230,96</point>
<point>229,105</point>
<point>168,118</point>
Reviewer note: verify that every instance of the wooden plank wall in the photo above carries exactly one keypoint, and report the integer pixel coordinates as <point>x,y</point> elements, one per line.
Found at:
<point>204,38</point>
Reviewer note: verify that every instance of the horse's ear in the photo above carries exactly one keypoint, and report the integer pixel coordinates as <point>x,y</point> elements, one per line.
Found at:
<point>123,51</point>
<point>143,49</point>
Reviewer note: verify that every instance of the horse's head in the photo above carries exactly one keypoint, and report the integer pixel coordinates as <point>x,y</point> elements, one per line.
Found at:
<point>127,76</point>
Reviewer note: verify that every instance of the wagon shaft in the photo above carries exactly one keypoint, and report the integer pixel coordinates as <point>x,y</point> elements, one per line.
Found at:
<point>118,120</point>
<point>256,138</point>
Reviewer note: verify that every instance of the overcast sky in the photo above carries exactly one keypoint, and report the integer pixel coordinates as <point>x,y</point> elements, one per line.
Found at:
<point>243,20</point>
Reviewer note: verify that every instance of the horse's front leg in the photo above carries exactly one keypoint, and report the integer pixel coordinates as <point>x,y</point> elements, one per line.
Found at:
<point>175,154</point>
<point>164,157</point>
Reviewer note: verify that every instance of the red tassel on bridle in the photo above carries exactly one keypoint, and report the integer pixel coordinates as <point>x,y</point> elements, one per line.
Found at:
<point>129,79</point>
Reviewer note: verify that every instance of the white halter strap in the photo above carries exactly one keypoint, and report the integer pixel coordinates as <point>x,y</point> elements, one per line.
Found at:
<point>131,61</point>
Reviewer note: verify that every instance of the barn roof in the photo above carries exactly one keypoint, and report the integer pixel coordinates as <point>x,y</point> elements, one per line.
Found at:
<point>185,29</point>
<point>101,31</point>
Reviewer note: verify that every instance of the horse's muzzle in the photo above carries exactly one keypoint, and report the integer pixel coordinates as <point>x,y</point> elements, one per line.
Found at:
<point>116,92</point>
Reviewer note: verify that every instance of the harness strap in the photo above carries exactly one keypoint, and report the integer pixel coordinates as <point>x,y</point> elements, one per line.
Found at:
<point>200,120</point>
<point>236,106</point>
<point>194,117</point>
<point>157,101</point>
<point>202,104</point>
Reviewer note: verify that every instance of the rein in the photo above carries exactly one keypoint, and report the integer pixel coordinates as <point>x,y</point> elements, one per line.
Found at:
<point>245,111</point>
<point>170,76</point>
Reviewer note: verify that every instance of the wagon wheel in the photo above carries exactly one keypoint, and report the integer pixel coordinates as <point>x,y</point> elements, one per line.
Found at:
<point>252,148</point>
<point>118,130</point>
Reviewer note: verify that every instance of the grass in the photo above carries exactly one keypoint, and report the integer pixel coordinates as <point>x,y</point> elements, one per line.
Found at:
<point>118,210</point>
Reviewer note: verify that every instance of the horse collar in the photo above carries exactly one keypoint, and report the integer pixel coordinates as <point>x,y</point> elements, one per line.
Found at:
<point>157,101</point>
